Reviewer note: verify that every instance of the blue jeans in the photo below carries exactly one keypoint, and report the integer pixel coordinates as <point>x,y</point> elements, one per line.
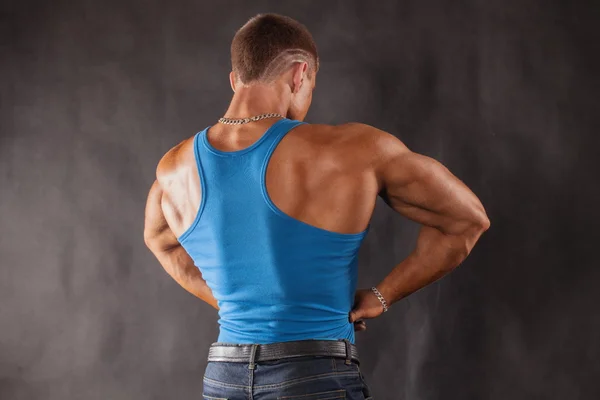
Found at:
<point>299,378</point>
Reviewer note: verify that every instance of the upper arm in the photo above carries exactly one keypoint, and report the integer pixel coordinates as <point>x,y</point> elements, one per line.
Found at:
<point>423,190</point>
<point>158,236</point>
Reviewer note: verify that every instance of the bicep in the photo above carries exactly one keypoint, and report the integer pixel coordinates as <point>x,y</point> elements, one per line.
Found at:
<point>158,236</point>
<point>425,191</point>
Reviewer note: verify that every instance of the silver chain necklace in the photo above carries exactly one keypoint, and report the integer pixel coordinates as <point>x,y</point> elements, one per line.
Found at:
<point>238,121</point>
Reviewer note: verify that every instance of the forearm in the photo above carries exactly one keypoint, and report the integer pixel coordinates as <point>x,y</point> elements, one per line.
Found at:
<point>435,255</point>
<point>181,268</point>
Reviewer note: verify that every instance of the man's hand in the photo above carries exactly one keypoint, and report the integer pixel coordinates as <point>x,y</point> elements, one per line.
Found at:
<point>366,306</point>
<point>360,326</point>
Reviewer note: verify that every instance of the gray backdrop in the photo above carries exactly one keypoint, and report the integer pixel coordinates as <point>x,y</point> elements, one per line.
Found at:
<point>504,93</point>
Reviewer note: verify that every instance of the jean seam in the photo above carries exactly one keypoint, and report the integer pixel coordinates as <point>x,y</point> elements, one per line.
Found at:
<point>340,392</point>
<point>305,379</point>
<point>343,396</point>
<point>223,384</point>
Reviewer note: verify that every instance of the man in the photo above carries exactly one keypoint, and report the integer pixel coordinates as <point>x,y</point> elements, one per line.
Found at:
<point>261,216</point>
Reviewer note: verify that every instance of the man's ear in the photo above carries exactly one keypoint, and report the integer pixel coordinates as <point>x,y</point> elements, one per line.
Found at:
<point>298,78</point>
<point>232,80</point>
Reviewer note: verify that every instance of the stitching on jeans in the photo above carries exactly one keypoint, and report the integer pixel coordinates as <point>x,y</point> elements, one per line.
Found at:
<point>278,385</point>
<point>339,392</point>
<point>223,384</point>
<point>306,379</point>
<point>314,394</point>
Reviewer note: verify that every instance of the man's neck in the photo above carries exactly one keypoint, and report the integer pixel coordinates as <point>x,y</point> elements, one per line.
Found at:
<point>249,101</point>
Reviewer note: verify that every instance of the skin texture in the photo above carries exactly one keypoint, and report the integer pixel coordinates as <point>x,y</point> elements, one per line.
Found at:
<point>326,176</point>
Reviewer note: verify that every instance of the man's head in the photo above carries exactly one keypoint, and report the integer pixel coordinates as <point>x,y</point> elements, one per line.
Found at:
<point>272,49</point>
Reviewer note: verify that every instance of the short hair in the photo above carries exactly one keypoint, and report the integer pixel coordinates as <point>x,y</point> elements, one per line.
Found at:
<point>268,44</point>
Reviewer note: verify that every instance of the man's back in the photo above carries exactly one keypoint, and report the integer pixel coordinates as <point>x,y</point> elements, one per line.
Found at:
<point>274,224</point>
<point>319,174</point>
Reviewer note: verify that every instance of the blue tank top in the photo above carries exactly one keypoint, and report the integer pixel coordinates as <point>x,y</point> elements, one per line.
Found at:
<point>275,278</point>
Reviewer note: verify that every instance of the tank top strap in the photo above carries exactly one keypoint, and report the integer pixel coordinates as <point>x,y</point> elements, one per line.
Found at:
<point>277,132</point>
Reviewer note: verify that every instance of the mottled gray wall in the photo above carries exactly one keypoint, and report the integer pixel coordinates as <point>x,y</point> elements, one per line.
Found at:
<point>505,93</point>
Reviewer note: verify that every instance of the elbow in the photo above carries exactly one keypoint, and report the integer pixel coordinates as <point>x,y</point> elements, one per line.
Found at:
<point>479,220</point>
<point>478,227</point>
<point>483,223</point>
<point>472,235</point>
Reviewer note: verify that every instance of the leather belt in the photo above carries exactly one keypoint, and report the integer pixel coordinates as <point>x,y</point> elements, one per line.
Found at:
<point>252,353</point>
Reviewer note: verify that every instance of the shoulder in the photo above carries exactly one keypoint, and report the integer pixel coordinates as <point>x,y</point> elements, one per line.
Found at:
<point>174,159</point>
<point>370,135</point>
<point>361,140</point>
<point>356,132</point>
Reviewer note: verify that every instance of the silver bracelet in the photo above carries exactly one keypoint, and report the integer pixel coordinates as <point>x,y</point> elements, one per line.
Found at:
<point>380,297</point>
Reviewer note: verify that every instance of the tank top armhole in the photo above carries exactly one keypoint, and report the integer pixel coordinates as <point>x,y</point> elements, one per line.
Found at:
<point>196,145</point>
<point>284,129</point>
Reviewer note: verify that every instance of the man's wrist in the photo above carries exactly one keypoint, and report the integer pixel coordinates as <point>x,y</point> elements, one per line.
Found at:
<point>381,298</point>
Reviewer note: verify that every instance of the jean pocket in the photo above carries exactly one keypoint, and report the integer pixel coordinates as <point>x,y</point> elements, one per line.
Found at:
<point>332,394</point>
<point>205,397</point>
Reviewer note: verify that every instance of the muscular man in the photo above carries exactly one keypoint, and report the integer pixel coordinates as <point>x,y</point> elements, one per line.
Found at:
<point>261,216</point>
